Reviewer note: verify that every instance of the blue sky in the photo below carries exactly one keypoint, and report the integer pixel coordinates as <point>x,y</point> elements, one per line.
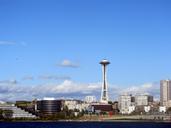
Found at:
<point>37,39</point>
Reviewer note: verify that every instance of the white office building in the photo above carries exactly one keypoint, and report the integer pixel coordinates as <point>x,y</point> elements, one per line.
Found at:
<point>124,104</point>
<point>76,104</point>
<point>141,100</point>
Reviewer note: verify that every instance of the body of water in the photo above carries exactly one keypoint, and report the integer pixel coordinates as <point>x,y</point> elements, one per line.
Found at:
<point>84,125</point>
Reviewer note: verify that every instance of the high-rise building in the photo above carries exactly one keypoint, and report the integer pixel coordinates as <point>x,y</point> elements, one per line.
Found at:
<point>124,103</point>
<point>143,100</point>
<point>104,93</point>
<point>165,93</point>
<point>129,103</point>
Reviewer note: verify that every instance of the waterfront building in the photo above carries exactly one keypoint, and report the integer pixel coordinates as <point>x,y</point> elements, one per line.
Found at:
<point>49,106</point>
<point>72,104</point>
<point>17,112</point>
<point>97,108</point>
<point>124,103</point>
<point>143,100</point>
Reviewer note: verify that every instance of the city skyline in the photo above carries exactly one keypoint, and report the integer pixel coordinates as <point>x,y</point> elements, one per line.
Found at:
<point>57,45</point>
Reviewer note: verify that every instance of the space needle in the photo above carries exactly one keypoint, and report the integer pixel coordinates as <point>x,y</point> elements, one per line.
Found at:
<point>104,91</point>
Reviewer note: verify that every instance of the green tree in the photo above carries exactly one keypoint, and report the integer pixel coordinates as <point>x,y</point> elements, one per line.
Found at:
<point>110,102</point>
<point>1,112</point>
<point>7,114</point>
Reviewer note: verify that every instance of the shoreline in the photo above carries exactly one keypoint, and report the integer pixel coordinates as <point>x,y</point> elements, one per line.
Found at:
<point>89,121</point>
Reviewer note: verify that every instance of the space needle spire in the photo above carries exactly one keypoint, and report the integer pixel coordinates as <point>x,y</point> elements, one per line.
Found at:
<point>104,91</point>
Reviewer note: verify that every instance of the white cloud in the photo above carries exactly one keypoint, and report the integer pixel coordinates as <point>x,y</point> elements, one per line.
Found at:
<point>7,43</point>
<point>11,81</point>
<point>68,88</point>
<point>54,77</point>
<point>145,88</point>
<point>12,43</point>
<point>11,92</point>
<point>148,88</point>
<point>68,63</point>
<point>71,87</point>
<point>47,77</point>
<point>28,78</point>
